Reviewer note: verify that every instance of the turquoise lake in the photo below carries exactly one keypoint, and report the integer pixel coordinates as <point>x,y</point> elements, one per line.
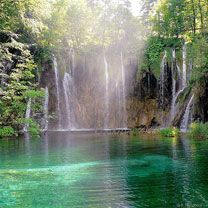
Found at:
<point>103,171</point>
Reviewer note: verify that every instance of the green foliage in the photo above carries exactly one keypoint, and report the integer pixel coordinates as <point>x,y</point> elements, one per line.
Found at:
<point>198,131</point>
<point>199,55</point>
<point>134,132</point>
<point>33,127</point>
<point>184,18</point>
<point>152,54</point>
<point>6,131</point>
<point>175,22</point>
<point>18,86</point>
<point>169,132</point>
<point>34,94</point>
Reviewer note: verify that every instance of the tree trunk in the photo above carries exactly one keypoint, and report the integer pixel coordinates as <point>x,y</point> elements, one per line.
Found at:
<point>194,16</point>
<point>201,16</point>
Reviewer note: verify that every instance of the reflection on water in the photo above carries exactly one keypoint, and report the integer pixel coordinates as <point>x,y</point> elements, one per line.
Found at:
<point>98,171</point>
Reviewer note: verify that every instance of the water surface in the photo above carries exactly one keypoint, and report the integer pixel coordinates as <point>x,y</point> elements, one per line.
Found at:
<point>99,171</point>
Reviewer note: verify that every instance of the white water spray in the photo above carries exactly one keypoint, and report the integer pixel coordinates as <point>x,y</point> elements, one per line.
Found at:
<point>184,66</point>
<point>106,118</point>
<point>27,115</point>
<point>57,92</point>
<point>186,117</point>
<point>162,78</point>
<point>68,85</point>
<point>173,86</point>
<point>124,125</point>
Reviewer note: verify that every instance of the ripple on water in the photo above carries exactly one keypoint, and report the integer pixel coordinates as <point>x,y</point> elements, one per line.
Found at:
<point>131,177</point>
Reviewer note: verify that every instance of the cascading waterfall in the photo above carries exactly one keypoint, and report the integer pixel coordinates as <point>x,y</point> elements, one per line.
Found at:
<point>179,76</point>
<point>173,86</point>
<point>124,124</point>
<point>106,117</point>
<point>118,93</point>
<point>184,66</point>
<point>73,109</point>
<point>57,91</point>
<point>67,85</point>
<point>190,67</point>
<point>27,115</point>
<point>186,117</point>
<point>175,92</point>
<point>162,78</point>
<point>46,101</point>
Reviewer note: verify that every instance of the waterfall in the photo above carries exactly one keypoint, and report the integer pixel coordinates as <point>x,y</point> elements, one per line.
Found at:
<point>46,109</point>
<point>173,105</point>
<point>173,54</point>
<point>179,76</point>
<point>57,92</point>
<point>75,108</point>
<point>174,97</point>
<point>184,65</point>
<point>27,115</point>
<point>118,97</point>
<point>190,67</point>
<point>173,85</point>
<point>186,117</point>
<point>106,118</point>
<point>68,85</point>
<point>124,121</point>
<point>162,78</point>
<point>73,62</point>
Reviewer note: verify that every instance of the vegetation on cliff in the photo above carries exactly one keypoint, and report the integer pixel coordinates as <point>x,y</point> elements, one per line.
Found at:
<point>173,24</point>
<point>18,84</point>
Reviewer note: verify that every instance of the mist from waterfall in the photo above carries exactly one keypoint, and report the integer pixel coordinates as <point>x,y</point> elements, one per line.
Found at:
<point>176,81</point>
<point>184,56</point>
<point>68,97</point>
<point>27,115</point>
<point>106,117</point>
<point>90,94</point>
<point>173,84</point>
<point>186,117</point>
<point>57,91</point>
<point>124,112</point>
<point>162,78</point>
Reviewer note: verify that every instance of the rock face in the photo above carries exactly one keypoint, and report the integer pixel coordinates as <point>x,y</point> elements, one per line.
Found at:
<point>200,112</point>
<point>143,114</point>
<point>48,79</point>
<point>7,37</point>
<point>147,87</point>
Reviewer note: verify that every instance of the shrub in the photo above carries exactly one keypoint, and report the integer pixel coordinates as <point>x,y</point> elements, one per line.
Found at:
<point>134,132</point>
<point>169,132</point>
<point>33,127</point>
<point>198,131</point>
<point>6,131</point>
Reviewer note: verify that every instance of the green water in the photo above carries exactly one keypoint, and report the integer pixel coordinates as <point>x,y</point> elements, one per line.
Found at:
<point>97,171</point>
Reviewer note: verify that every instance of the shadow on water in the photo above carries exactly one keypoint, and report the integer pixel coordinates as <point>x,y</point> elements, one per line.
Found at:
<point>62,169</point>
